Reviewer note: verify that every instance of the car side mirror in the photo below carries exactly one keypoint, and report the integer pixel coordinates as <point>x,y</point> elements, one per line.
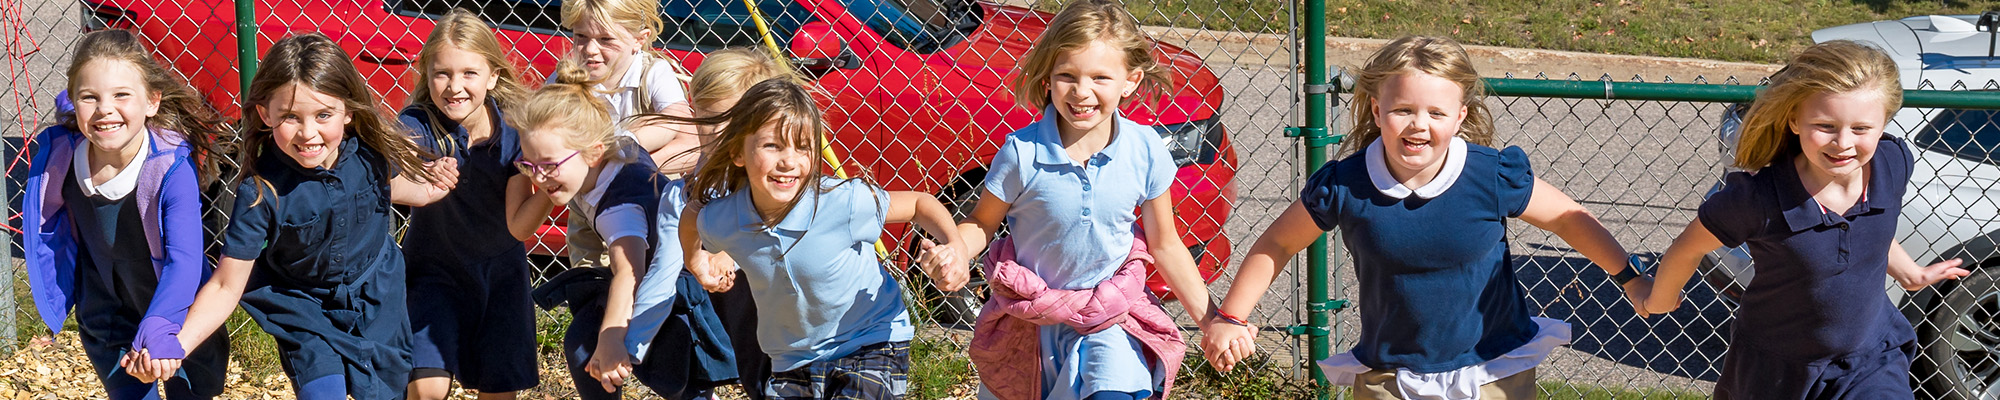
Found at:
<point>817,47</point>
<point>1991,21</point>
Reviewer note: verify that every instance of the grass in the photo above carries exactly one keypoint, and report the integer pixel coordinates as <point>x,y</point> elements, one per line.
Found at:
<point>1765,31</point>
<point>1559,390</point>
<point>936,367</point>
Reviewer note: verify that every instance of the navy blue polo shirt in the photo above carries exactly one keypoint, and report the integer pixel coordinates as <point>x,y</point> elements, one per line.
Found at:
<point>329,280</point>
<point>1818,292</point>
<point>1437,292</point>
<point>470,223</point>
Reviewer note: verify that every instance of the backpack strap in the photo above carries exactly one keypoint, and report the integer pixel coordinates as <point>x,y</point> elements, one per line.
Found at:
<point>643,101</point>
<point>152,176</point>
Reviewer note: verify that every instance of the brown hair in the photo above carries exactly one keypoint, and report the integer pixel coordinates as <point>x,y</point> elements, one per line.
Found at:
<point>1435,56</point>
<point>181,108</point>
<point>462,30</point>
<point>314,62</point>
<point>777,101</point>
<point>1838,66</point>
<point>1077,26</point>
<point>569,103</point>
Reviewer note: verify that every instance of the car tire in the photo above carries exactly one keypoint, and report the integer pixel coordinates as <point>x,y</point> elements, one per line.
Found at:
<point>1960,356</point>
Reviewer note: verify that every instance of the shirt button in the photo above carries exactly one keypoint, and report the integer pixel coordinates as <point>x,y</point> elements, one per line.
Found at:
<point>1086,212</point>
<point>1086,186</point>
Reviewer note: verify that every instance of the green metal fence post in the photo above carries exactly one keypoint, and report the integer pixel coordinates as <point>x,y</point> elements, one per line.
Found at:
<point>246,45</point>
<point>1318,92</point>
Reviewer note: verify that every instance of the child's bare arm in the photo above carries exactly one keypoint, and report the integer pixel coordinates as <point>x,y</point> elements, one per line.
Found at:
<point>1552,210</point>
<point>409,192</point>
<point>1227,342</point>
<point>1678,264</point>
<point>525,210</point>
<point>944,262</point>
<point>1171,257</point>
<point>976,231</point>
<point>216,301</point>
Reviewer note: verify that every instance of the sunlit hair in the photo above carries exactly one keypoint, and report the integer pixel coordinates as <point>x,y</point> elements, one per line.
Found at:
<point>780,104</point>
<point>570,106</point>
<point>1435,56</point>
<point>1076,27</point>
<point>725,74</point>
<point>1838,66</point>
<point>181,108</point>
<point>316,63</point>
<point>460,29</point>
<point>633,15</point>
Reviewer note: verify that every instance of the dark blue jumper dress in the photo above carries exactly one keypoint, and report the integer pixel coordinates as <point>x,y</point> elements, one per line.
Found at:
<point>469,308</point>
<point>1815,324</point>
<point>116,281</point>
<point>329,281</point>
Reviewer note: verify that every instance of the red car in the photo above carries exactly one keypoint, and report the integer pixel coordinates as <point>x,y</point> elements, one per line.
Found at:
<point>916,90</point>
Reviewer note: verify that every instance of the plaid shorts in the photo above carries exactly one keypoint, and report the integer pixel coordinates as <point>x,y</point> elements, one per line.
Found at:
<point>879,371</point>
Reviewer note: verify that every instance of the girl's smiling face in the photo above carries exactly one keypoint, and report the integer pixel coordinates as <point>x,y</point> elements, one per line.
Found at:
<point>1087,84</point>
<point>112,105</point>
<point>1838,132</point>
<point>553,167</point>
<point>306,124</point>
<point>604,49</point>
<point>459,82</point>
<point>1418,113</point>
<point>776,166</point>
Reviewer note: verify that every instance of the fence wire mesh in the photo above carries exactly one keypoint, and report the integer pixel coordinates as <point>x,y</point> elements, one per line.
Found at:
<point>918,101</point>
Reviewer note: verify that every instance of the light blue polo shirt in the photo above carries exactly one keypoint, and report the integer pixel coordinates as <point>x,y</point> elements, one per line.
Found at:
<point>1073,225</point>
<point>653,299</point>
<point>1073,222</point>
<point>821,292</point>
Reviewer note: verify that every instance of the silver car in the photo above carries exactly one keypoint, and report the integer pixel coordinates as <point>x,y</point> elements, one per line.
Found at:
<point>1951,209</point>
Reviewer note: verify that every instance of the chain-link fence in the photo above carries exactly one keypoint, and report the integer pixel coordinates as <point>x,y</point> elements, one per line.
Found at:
<point>917,99</point>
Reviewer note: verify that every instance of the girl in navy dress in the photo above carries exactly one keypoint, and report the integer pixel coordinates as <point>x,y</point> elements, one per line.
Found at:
<point>571,154</point>
<point>1066,186</point>
<point>469,308</point>
<point>1817,211</point>
<point>1423,203</point>
<point>829,315</point>
<point>113,216</point>
<point>309,249</point>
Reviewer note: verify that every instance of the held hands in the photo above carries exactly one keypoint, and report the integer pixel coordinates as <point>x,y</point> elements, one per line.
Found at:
<point>445,169</point>
<point>609,363</point>
<point>1224,344</point>
<point>140,364</point>
<point>945,265</point>
<point>1947,269</point>
<point>1639,292</point>
<point>716,271</point>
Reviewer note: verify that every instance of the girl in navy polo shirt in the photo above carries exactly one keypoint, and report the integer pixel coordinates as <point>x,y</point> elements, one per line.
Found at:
<point>830,316</point>
<point>469,308</point>
<point>571,154</point>
<point>1066,186</point>
<point>113,215</point>
<point>1818,214</point>
<point>309,249</point>
<point>1423,203</point>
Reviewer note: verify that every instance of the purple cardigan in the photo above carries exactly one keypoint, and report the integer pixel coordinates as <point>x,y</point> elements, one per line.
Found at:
<point>170,206</point>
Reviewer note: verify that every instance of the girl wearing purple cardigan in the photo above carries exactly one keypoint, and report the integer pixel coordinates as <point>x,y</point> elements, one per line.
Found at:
<point>113,216</point>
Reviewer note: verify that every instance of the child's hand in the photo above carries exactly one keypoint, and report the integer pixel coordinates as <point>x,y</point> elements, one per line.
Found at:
<point>1638,291</point>
<point>942,262</point>
<point>135,363</point>
<point>1662,301</point>
<point>609,363</point>
<point>716,276</point>
<point>1224,344</point>
<point>445,169</point>
<point>1947,269</point>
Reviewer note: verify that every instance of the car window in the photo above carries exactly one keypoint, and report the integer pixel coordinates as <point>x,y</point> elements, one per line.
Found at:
<point>1967,134</point>
<point>539,16</point>
<point>922,26</point>
<point>700,25</point>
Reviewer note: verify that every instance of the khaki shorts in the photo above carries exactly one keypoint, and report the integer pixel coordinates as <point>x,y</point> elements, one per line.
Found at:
<point>1381,385</point>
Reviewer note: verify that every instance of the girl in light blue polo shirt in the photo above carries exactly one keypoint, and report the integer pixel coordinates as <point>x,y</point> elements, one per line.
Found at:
<point>831,318</point>
<point>1423,203</point>
<point>1066,187</point>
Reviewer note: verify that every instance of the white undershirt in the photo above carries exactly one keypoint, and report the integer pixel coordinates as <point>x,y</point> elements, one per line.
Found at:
<point>119,185</point>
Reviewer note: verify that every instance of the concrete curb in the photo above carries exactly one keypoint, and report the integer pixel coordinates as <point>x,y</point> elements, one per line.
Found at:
<point>1275,50</point>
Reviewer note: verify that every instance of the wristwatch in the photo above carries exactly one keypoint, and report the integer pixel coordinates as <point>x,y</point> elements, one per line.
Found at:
<point>1631,271</point>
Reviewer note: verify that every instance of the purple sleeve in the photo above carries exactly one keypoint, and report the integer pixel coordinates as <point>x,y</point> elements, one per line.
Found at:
<point>183,270</point>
